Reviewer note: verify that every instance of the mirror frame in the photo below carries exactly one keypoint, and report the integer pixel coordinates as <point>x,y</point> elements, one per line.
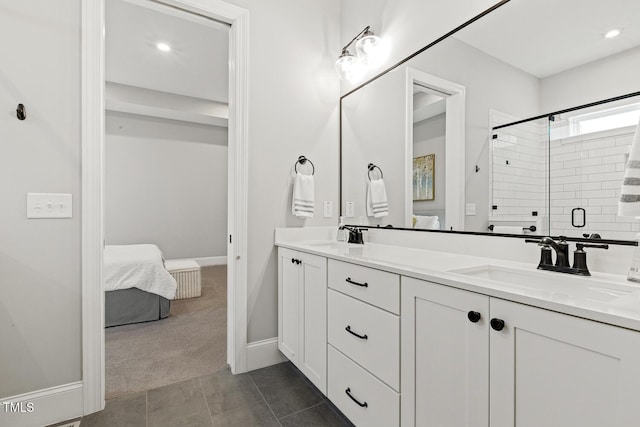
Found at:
<point>474,233</point>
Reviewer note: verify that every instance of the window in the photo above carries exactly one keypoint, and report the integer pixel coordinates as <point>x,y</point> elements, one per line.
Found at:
<point>611,118</point>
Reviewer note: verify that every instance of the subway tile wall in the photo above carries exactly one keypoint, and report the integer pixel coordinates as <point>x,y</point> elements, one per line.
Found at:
<point>585,171</point>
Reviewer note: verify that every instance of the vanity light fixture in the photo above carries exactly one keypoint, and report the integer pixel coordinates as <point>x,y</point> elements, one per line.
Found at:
<point>163,47</point>
<point>371,50</point>
<point>612,33</point>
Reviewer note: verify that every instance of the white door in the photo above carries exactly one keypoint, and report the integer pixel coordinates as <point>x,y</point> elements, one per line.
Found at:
<point>553,370</point>
<point>312,339</point>
<point>445,356</point>
<point>288,302</point>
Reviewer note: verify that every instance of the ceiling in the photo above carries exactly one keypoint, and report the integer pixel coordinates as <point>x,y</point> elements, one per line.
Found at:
<point>545,37</point>
<point>197,64</point>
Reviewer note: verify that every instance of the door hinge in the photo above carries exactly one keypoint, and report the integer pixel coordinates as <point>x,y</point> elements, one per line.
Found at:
<point>229,238</point>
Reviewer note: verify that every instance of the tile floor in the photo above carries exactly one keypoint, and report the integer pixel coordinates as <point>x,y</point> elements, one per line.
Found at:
<point>278,396</point>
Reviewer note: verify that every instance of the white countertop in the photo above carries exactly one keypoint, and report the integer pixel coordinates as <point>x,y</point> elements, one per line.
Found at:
<point>616,301</point>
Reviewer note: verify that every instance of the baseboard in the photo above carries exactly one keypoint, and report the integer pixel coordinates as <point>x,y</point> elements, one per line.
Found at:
<point>46,407</point>
<point>261,354</point>
<point>211,260</point>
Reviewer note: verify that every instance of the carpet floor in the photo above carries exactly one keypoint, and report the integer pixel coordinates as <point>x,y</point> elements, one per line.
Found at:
<point>190,343</point>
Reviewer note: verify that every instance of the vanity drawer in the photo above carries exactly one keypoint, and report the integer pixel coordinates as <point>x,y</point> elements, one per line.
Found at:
<point>379,352</point>
<point>382,288</point>
<point>382,403</point>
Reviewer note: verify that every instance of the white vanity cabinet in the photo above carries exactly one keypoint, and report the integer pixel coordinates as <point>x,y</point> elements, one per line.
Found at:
<point>302,313</point>
<point>513,365</point>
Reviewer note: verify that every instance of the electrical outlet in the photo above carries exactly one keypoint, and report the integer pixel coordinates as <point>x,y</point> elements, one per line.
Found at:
<point>350,210</point>
<point>470,209</point>
<point>328,208</point>
<point>49,205</point>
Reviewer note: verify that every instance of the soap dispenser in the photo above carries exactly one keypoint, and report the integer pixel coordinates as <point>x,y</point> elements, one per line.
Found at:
<point>341,237</point>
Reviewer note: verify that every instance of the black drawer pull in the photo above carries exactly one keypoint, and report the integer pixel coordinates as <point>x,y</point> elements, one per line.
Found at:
<point>362,405</point>
<point>364,285</point>
<point>293,261</point>
<point>362,337</point>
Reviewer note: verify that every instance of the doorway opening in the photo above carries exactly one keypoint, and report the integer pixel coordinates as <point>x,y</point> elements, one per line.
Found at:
<point>166,168</point>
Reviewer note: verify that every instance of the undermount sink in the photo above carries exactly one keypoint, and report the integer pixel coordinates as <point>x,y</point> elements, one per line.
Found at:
<point>557,286</point>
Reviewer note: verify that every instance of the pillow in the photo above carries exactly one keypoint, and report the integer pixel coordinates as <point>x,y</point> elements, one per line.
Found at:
<point>426,222</point>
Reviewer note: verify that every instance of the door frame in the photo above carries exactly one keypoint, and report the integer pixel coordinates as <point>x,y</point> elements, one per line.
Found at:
<point>454,146</point>
<point>92,209</point>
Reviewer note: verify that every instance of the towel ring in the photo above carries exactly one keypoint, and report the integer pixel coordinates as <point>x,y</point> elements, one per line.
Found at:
<point>371,167</point>
<point>302,160</point>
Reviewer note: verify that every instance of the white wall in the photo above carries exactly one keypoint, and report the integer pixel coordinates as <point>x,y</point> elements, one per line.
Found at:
<point>293,94</point>
<point>166,184</point>
<point>612,76</point>
<point>429,138</point>
<point>40,325</point>
<point>293,110</point>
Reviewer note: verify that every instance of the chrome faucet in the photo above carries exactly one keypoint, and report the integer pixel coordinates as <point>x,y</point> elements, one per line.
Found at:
<point>561,247</point>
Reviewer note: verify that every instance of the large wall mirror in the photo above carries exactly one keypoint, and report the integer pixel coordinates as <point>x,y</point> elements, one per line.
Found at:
<point>519,123</point>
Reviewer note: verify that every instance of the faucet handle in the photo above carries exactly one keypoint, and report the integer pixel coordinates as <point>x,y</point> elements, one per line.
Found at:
<point>579,246</point>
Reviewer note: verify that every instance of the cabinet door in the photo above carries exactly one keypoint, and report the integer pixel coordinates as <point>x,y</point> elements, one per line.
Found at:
<point>288,303</point>
<point>555,370</point>
<point>445,356</point>
<point>312,360</point>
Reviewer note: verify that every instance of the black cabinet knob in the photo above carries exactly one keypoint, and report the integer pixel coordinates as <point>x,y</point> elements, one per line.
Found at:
<point>497,324</point>
<point>298,261</point>
<point>293,261</point>
<point>474,316</point>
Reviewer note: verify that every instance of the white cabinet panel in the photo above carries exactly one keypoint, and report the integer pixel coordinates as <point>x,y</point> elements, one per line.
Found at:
<point>372,338</point>
<point>554,370</point>
<point>288,306</point>
<point>376,287</point>
<point>313,326</point>
<point>302,313</point>
<point>445,356</point>
<point>363,398</point>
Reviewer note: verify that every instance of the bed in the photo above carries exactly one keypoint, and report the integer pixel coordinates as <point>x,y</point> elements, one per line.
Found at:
<point>138,288</point>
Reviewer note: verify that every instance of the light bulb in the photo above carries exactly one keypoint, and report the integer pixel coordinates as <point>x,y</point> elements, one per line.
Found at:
<point>348,66</point>
<point>612,33</point>
<point>372,49</point>
<point>163,47</point>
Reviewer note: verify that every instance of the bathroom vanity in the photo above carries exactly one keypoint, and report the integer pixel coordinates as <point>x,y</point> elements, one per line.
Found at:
<point>403,336</point>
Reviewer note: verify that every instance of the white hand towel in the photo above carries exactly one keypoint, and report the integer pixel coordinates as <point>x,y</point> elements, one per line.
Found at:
<point>377,204</point>
<point>508,229</point>
<point>629,204</point>
<point>303,196</point>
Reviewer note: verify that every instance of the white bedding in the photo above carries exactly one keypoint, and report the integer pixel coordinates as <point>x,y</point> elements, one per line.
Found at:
<point>137,266</point>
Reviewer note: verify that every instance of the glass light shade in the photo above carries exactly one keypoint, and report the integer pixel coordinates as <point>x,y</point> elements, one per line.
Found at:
<point>348,66</point>
<point>372,49</point>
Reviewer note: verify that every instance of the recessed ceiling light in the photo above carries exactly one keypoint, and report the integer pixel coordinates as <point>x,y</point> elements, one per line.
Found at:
<point>612,33</point>
<point>163,47</point>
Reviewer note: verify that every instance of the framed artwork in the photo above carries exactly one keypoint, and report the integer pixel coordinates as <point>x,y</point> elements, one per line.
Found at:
<point>423,177</point>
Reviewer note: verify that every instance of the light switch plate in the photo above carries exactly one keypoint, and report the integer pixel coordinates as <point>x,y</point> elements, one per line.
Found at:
<point>470,209</point>
<point>49,205</point>
<point>328,208</point>
<point>350,211</point>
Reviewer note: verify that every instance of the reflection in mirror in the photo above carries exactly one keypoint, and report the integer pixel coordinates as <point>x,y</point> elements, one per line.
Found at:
<point>429,132</point>
<point>538,63</point>
<point>573,163</point>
